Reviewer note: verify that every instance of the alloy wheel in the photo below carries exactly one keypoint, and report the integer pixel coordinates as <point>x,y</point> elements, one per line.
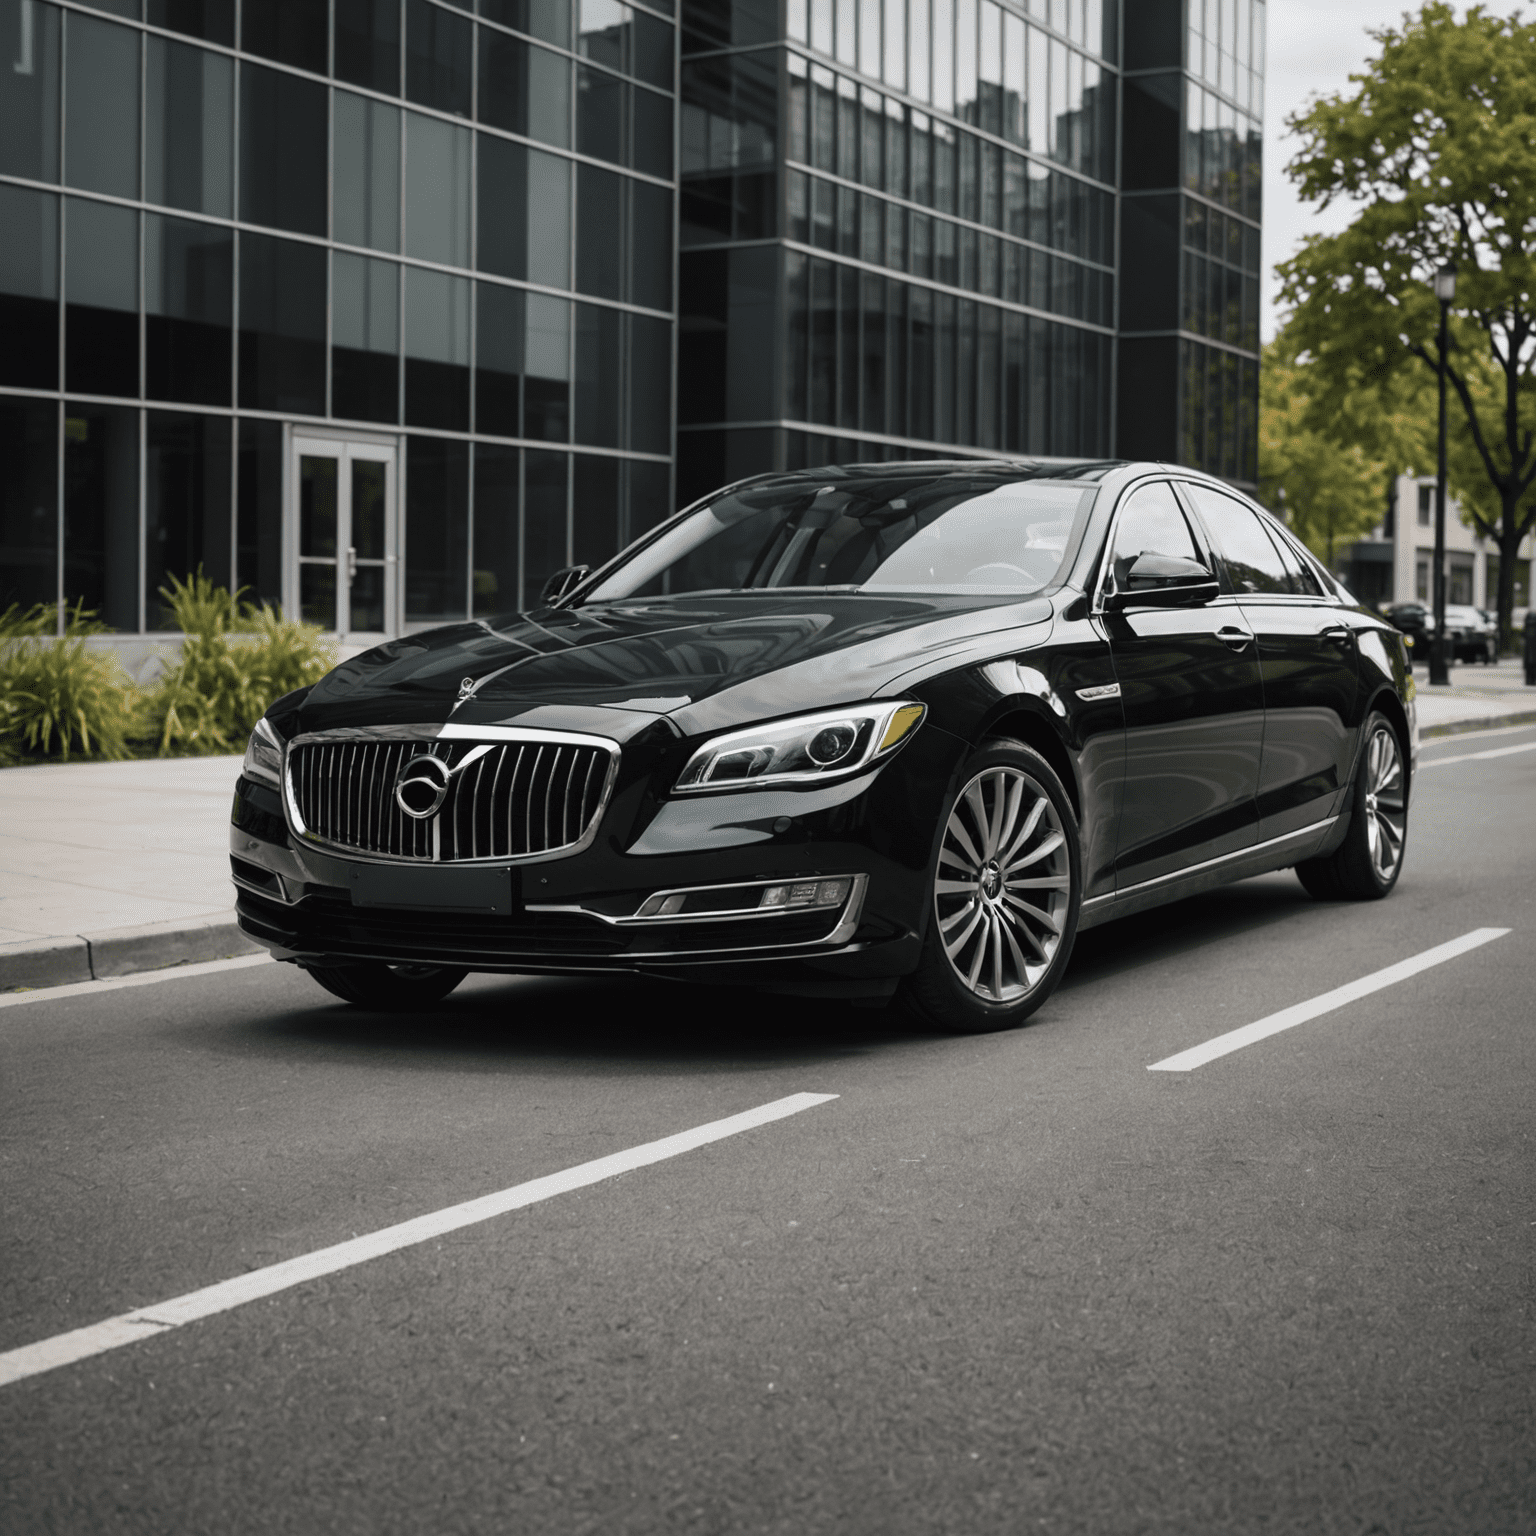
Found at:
<point>1004,885</point>
<point>1386,815</point>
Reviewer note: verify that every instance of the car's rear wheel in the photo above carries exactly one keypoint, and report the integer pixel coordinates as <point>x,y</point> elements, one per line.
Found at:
<point>390,988</point>
<point>1367,863</point>
<point>1006,893</point>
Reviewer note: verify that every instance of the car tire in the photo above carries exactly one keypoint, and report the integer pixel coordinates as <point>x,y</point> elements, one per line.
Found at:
<point>388,988</point>
<point>1004,895</point>
<point>1366,864</point>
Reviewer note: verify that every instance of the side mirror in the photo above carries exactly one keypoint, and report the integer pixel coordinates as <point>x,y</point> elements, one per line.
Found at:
<point>563,582</point>
<point>1162,581</point>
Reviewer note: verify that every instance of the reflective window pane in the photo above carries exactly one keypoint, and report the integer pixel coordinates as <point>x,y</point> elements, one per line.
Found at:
<point>370,486</point>
<point>600,253</point>
<point>101,292</point>
<point>101,511</point>
<point>29,288</point>
<point>498,495</point>
<point>189,308</point>
<point>594,509</point>
<point>283,150</point>
<point>259,526</point>
<point>29,103</point>
<point>189,127</point>
<point>652,147</point>
<point>436,530</point>
<point>499,326</point>
<point>213,20</point>
<point>514,182</point>
<point>436,190</point>
<point>546,537</point>
<point>368,44</point>
<point>546,19</point>
<point>546,382</point>
<point>282,325</point>
<point>524,88</point>
<point>436,349</point>
<point>602,112</point>
<point>365,338</point>
<point>29,449</point>
<point>367,183</point>
<point>598,375</point>
<point>650,246</point>
<point>437,57</point>
<point>650,384</point>
<point>289,31</point>
<point>101,123</point>
<point>317,506</point>
<point>186,503</point>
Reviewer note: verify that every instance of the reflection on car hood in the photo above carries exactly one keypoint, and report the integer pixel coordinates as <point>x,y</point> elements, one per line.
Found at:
<point>695,659</point>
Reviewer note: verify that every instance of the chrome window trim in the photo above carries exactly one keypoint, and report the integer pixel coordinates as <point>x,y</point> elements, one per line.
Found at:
<point>494,734</point>
<point>1196,531</point>
<point>635,919</point>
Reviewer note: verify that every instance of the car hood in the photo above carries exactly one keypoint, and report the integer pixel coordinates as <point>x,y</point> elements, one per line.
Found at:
<point>704,662</point>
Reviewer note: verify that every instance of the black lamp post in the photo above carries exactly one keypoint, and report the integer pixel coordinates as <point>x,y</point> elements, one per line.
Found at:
<point>1439,648</point>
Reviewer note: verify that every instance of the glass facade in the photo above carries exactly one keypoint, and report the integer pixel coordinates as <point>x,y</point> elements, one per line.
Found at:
<point>426,252</point>
<point>898,221</point>
<point>249,246</point>
<point>1191,205</point>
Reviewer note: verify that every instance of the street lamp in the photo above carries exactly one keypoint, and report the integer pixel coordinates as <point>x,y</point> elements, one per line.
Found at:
<point>1439,648</point>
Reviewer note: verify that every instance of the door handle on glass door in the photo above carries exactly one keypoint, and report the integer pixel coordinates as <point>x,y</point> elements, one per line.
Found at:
<point>351,566</point>
<point>1237,639</point>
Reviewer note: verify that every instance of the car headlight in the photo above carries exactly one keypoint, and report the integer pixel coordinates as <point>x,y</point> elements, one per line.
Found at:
<point>264,755</point>
<point>802,750</point>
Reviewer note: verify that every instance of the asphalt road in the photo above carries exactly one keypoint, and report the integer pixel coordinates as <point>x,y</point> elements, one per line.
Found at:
<point>1006,1283</point>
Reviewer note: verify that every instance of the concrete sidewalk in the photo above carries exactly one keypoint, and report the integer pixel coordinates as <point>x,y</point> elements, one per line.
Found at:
<point>110,868</point>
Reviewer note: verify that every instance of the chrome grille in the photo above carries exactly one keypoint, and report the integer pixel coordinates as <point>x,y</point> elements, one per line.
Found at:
<point>504,799</point>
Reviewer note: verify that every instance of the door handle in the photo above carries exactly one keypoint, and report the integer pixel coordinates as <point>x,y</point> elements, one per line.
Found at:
<point>1231,635</point>
<point>1341,634</point>
<point>351,566</point>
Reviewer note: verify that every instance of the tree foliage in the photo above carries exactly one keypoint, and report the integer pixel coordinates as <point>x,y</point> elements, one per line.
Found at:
<point>1435,145</point>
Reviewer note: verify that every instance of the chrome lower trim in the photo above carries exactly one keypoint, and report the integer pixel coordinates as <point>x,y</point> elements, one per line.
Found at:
<point>847,925</point>
<point>635,919</point>
<point>1311,830</point>
<point>496,734</point>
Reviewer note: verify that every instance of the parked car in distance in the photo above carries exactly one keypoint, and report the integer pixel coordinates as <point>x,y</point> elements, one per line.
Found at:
<point>852,732</point>
<point>1473,636</point>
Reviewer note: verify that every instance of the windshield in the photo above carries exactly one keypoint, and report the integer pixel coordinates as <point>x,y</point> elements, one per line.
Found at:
<point>987,533</point>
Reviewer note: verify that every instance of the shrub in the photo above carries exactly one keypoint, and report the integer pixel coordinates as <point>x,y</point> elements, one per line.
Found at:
<point>55,694</point>
<point>210,699</point>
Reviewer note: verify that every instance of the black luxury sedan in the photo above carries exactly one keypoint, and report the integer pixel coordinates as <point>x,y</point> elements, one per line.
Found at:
<point>864,732</point>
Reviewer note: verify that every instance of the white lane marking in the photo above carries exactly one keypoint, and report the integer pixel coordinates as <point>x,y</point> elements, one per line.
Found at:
<point>1477,757</point>
<point>145,1322</point>
<point>140,979</point>
<point>1289,1018</point>
<point>1429,743</point>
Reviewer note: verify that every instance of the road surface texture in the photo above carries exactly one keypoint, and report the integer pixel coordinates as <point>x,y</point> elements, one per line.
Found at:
<point>997,1284</point>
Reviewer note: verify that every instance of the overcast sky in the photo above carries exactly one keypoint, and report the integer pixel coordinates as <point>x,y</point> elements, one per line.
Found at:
<point>1313,48</point>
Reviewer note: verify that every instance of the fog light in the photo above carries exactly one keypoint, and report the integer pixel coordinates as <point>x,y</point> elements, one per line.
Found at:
<point>808,893</point>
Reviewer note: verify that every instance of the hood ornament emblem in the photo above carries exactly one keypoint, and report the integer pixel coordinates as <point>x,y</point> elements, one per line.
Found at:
<point>466,688</point>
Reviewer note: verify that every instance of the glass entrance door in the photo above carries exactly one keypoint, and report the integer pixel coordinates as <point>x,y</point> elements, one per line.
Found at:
<point>343,535</point>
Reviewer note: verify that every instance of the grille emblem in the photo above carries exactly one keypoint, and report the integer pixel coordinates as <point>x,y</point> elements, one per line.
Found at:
<point>422,786</point>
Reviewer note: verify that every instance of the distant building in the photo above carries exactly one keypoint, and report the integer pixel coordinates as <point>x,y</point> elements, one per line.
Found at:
<point>1395,564</point>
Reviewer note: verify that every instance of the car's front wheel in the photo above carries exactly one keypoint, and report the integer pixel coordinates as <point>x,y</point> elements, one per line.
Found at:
<point>390,988</point>
<point>1005,896</point>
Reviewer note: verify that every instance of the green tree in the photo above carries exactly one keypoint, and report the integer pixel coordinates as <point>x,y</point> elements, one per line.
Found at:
<point>1330,492</point>
<point>1435,144</point>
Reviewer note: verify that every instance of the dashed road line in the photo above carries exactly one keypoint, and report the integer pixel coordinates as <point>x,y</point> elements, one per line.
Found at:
<point>1289,1018</point>
<point>147,1322</point>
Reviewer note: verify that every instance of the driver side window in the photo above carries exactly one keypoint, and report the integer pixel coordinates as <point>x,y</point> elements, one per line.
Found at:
<point>1151,523</point>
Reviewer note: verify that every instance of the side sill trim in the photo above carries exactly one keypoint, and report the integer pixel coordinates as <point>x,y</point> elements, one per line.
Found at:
<point>1312,829</point>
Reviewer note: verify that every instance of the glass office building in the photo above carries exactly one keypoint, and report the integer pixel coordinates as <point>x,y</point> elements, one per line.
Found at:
<point>386,309</point>
<point>366,306</point>
<point>909,227</point>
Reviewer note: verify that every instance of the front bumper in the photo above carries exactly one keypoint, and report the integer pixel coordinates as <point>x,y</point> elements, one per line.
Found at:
<point>578,914</point>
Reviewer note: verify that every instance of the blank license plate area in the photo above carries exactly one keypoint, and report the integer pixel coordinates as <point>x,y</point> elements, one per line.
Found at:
<point>442,890</point>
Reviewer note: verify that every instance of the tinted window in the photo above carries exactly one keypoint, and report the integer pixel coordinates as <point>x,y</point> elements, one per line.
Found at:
<point>976,535</point>
<point>1151,523</point>
<point>1251,562</point>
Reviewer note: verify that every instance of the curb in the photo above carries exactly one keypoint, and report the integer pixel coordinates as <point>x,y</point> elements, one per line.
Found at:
<point>1490,723</point>
<point>55,962</point>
